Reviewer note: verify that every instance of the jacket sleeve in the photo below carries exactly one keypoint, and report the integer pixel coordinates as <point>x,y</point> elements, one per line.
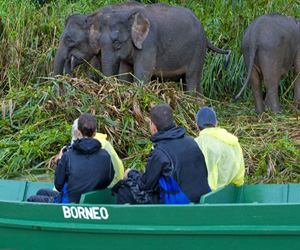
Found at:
<point>60,176</point>
<point>212,159</point>
<point>116,162</point>
<point>240,165</point>
<point>112,173</point>
<point>156,165</point>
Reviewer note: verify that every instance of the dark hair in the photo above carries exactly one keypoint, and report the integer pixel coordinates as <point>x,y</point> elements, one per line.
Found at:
<point>87,125</point>
<point>162,116</point>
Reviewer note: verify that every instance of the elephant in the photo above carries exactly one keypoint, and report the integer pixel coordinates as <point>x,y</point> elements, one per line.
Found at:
<point>157,40</point>
<point>73,46</point>
<point>271,46</point>
<point>79,40</point>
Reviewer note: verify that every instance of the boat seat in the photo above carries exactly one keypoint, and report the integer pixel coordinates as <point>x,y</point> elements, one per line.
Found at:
<point>20,190</point>
<point>270,193</point>
<point>102,196</point>
<point>12,190</point>
<point>33,187</point>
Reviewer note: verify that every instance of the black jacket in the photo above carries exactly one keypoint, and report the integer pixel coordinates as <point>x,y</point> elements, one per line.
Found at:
<point>85,167</point>
<point>187,158</point>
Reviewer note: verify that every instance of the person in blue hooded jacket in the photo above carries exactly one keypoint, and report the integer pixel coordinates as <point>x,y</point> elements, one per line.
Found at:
<point>105,144</point>
<point>170,147</point>
<point>82,167</point>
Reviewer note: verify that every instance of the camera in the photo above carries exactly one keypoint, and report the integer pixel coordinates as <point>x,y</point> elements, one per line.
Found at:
<point>67,147</point>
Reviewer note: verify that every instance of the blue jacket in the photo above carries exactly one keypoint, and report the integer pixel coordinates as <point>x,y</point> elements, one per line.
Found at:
<point>85,166</point>
<point>188,161</point>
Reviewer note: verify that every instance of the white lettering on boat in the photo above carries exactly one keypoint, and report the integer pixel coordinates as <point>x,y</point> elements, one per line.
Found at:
<point>74,212</point>
<point>104,213</point>
<point>93,213</point>
<point>89,213</point>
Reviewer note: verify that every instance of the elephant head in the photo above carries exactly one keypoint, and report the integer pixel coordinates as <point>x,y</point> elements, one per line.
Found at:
<point>120,34</point>
<point>79,40</point>
<point>74,45</point>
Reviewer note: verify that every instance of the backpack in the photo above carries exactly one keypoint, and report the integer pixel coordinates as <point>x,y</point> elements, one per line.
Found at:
<point>170,192</point>
<point>63,196</point>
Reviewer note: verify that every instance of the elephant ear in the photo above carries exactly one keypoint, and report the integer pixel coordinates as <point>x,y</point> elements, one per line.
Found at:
<point>94,31</point>
<point>297,21</point>
<point>139,29</point>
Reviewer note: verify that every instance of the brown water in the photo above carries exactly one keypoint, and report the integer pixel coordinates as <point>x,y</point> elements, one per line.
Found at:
<point>38,178</point>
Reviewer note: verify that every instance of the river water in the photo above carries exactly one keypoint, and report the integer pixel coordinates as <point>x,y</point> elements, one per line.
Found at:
<point>38,178</point>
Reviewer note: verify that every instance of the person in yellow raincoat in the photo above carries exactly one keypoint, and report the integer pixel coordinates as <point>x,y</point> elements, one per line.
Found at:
<point>116,161</point>
<point>222,151</point>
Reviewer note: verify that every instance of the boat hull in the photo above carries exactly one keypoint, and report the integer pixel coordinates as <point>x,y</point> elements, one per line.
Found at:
<point>202,226</point>
<point>248,217</point>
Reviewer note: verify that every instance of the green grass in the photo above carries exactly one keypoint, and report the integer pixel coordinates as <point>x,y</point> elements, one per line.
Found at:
<point>38,110</point>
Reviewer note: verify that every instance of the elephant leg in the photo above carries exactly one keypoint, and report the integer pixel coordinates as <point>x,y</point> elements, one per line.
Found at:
<point>142,74</point>
<point>124,72</point>
<point>193,78</point>
<point>256,87</point>
<point>271,81</point>
<point>297,82</point>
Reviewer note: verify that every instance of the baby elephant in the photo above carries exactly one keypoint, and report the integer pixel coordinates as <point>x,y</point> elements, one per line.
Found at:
<point>271,46</point>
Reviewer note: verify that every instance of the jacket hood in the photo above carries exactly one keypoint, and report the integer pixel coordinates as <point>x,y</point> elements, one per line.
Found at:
<point>171,132</point>
<point>86,145</point>
<point>220,134</point>
<point>102,138</point>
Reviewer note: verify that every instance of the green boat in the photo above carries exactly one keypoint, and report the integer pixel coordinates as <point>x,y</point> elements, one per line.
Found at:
<point>246,217</point>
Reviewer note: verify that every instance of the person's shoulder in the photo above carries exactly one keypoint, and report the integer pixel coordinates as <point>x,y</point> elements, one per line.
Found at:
<point>158,155</point>
<point>204,135</point>
<point>103,156</point>
<point>104,152</point>
<point>157,150</point>
<point>188,137</point>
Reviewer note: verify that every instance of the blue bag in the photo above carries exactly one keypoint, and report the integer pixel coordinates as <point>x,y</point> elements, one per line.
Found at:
<point>170,192</point>
<point>63,196</point>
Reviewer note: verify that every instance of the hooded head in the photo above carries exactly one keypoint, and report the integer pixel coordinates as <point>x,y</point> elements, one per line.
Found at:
<point>206,118</point>
<point>86,124</point>
<point>161,117</point>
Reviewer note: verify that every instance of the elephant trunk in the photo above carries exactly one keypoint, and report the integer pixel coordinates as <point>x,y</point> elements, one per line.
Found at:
<point>62,62</point>
<point>59,61</point>
<point>110,66</point>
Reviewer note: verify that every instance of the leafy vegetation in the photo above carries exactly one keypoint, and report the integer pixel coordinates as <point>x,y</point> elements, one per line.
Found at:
<point>38,109</point>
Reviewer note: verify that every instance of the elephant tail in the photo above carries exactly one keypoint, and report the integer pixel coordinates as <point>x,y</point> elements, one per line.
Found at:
<point>249,71</point>
<point>221,51</point>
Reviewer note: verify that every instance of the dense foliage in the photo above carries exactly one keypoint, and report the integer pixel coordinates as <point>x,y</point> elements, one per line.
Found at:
<point>38,109</point>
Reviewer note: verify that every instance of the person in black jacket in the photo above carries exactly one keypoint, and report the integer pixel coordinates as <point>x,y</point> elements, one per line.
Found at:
<point>82,167</point>
<point>169,144</point>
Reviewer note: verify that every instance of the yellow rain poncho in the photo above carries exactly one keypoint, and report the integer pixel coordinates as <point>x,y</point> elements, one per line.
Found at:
<point>223,156</point>
<point>116,161</point>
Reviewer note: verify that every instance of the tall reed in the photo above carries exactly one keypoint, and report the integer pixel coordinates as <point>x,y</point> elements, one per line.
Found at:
<point>37,110</point>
